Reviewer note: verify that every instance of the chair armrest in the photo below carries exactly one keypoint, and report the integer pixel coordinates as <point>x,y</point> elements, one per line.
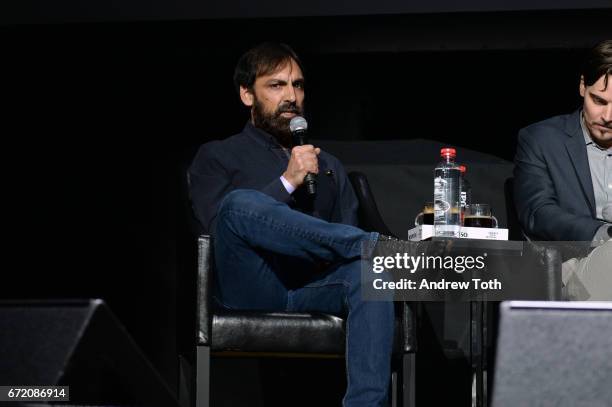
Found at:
<point>205,269</point>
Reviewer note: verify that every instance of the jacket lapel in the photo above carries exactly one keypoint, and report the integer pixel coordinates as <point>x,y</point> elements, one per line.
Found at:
<point>576,149</point>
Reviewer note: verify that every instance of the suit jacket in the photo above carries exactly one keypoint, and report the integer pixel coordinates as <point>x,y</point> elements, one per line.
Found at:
<point>253,159</point>
<point>553,190</point>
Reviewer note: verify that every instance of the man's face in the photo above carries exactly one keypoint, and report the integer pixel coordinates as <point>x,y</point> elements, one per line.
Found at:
<point>275,99</point>
<point>597,110</point>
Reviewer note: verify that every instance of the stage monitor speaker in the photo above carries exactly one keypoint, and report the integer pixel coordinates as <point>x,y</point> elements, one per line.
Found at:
<point>554,354</point>
<point>77,343</point>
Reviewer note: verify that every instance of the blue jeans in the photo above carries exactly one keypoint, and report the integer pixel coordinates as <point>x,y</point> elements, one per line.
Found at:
<point>267,256</point>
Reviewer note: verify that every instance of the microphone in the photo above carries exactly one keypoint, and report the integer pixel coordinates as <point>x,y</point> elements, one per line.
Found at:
<point>299,127</point>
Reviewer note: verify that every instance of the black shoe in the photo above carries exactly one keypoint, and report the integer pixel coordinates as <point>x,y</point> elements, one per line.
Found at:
<point>387,238</point>
<point>391,245</point>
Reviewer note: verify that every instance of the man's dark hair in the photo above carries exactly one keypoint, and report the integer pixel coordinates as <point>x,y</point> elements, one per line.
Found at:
<point>597,63</point>
<point>263,59</point>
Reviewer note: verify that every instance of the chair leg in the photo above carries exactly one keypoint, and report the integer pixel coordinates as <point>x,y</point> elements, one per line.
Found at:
<point>203,376</point>
<point>408,382</point>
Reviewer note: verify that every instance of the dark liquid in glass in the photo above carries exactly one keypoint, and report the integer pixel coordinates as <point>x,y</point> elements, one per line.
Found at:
<point>428,218</point>
<point>478,222</point>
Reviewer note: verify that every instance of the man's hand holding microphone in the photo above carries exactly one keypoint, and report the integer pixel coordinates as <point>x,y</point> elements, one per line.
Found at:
<point>303,163</point>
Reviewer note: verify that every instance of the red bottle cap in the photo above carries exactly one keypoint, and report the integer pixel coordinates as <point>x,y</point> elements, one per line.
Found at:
<point>462,169</point>
<point>448,152</point>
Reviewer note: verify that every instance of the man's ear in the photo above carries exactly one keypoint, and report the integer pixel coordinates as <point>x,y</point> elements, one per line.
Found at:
<point>582,86</point>
<point>247,97</point>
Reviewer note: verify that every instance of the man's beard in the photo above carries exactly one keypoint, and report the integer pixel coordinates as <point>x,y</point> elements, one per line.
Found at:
<point>275,124</point>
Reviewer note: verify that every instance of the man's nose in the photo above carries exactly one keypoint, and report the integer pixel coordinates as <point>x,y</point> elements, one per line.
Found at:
<point>607,114</point>
<point>290,94</point>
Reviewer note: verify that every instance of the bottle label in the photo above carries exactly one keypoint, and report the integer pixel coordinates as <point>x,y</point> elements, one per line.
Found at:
<point>440,205</point>
<point>447,208</point>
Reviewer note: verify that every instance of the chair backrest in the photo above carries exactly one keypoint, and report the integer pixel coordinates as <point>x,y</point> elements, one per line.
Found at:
<point>536,272</point>
<point>204,303</point>
<point>193,224</point>
<point>369,216</point>
<point>371,220</point>
<point>515,230</point>
<point>188,230</point>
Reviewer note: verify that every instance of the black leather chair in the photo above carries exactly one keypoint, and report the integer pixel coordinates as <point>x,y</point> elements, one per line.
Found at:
<point>260,334</point>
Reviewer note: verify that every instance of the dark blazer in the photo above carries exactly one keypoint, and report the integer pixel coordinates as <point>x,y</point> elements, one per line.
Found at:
<point>553,190</point>
<point>253,159</point>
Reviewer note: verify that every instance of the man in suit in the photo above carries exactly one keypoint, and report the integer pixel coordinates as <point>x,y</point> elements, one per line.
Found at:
<point>563,172</point>
<point>277,247</point>
<point>563,179</point>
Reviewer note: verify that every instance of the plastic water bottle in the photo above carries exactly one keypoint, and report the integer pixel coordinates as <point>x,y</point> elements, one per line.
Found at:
<point>447,195</point>
<point>466,191</point>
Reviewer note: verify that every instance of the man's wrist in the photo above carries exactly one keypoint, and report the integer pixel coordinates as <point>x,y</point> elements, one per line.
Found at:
<point>603,233</point>
<point>288,185</point>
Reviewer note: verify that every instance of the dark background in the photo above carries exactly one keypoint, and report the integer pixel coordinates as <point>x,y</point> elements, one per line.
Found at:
<point>41,11</point>
<point>103,114</point>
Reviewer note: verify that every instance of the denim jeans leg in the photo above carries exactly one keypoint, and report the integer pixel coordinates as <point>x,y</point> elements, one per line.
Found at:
<point>253,228</point>
<point>267,224</point>
<point>369,330</point>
